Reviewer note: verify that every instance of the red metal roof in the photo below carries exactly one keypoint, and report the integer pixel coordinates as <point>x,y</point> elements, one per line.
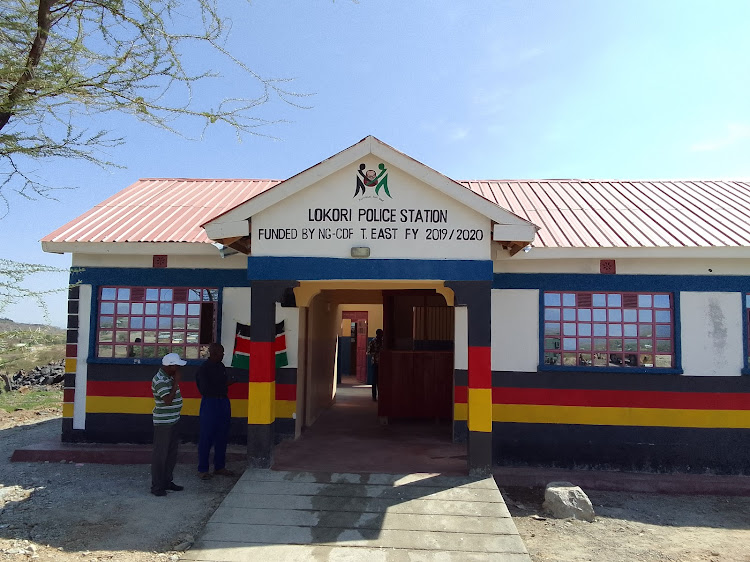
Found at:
<point>627,214</point>
<point>570,213</point>
<point>159,210</point>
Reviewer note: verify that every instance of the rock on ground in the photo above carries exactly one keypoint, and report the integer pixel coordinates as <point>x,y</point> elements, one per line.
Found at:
<point>564,500</point>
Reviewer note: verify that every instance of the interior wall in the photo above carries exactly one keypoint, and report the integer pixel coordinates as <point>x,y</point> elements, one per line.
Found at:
<point>322,329</point>
<point>374,317</point>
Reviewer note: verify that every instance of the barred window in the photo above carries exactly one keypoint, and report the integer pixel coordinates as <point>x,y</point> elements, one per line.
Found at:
<point>609,329</point>
<point>149,322</point>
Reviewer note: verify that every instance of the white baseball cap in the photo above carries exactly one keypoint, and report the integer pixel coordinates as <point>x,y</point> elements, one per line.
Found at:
<point>172,359</point>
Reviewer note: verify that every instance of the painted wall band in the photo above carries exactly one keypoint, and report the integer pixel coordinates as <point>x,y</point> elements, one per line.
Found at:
<point>71,363</point>
<point>624,380</point>
<point>630,283</point>
<point>659,449</point>
<point>309,269</point>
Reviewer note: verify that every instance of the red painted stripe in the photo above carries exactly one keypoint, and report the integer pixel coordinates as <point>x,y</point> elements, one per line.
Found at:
<point>241,344</point>
<point>622,398</point>
<point>71,350</point>
<point>262,362</point>
<point>480,372</point>
<point>69,395</point>
<point>461,394</point>
<point>142,389</point>
<point>286,392</point>
<point>279,343</point>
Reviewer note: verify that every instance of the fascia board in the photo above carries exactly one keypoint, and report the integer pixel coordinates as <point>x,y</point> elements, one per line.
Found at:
<point>535,253</point>
<point>514,232</point>
<point>133,248</point>
<point>227,229</point>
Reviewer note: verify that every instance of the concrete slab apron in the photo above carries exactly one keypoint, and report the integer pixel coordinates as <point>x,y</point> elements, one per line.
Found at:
<point>301,516</point>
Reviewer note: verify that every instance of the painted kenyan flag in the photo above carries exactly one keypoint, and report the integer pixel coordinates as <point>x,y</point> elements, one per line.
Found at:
<point>241,355</point>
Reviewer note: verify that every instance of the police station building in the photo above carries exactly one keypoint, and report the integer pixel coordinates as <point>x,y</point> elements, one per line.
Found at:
<point>558,322</point>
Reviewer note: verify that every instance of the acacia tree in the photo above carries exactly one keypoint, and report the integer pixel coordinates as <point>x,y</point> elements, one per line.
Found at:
<point>64,61</point>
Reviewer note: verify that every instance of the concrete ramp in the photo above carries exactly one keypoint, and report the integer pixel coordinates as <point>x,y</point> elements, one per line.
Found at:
<point>274,516</point>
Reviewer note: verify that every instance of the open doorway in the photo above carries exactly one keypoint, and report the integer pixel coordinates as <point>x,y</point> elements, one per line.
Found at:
<point>410,426</point>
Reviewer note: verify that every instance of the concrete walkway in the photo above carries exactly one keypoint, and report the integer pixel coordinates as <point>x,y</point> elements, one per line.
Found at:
<point>276,516</point>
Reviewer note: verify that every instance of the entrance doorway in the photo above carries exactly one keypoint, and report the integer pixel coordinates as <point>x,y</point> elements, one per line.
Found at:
<point>410,426</point>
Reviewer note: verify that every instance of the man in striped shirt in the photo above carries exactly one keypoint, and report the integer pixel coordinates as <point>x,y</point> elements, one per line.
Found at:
<point>165,387</point>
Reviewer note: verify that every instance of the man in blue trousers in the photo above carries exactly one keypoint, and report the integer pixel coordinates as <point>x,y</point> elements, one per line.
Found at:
<point>215,413</point>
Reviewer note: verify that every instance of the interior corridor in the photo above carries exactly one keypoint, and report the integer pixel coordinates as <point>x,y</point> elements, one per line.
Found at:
<point>348,437</point>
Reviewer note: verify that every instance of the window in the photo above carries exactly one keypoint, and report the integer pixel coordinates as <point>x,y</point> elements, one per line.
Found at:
<point>609,329</point>
<point>149,322</point>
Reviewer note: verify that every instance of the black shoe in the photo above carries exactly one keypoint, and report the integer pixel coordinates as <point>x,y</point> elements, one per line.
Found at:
<point>159,492</point>
<point>175,487</point>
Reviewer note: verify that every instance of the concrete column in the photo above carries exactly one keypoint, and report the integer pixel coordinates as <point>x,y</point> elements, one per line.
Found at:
<point>476,296</point>
<point>262,379</point>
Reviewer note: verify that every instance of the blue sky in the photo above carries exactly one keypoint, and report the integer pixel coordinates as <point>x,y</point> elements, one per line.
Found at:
<point>475,89</point>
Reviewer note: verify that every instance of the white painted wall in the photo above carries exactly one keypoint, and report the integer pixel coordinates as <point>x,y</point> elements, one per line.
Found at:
<point>337,191</point>
<point>642,262</point>
<point>515,330</point>
<point>236,308</point>
<point>711,333</point>
<point>461,338</point>
<point>208,259</point>
<point>84,332</point>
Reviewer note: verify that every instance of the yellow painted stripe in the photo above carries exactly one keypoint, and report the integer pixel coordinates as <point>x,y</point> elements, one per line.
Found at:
<point>70,365</point>
<point>646,417</point>
<point>133,405</point>
<point>67,410</point>
<point>261,401</point>
<point>460,412</point>
<point>480,409</point>
<point>285,408</point>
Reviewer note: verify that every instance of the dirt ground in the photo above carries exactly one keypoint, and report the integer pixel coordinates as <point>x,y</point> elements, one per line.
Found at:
<point>632,527</point>
<point>84,512</point>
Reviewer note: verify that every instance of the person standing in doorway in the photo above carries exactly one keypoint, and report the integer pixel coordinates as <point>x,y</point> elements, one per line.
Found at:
<point>165,386</point>
<point>373,350</point>
<point>215,413</point>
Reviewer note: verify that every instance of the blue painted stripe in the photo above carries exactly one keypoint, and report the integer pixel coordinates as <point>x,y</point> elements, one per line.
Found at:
<point>630,283</point>
<point>305,268</point>
<point>162,277</point>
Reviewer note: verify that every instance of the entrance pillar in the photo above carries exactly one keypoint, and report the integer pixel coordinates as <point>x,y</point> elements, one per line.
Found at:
<point>262,378</point>
<point>477,297</point>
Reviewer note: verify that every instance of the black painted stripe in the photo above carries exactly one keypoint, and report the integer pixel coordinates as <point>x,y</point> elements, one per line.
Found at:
<point>460,431</point>
<point>259,444</point>
<point>286,375</point>
<point>460,377</point>
<point>620,381</point>
<point>623,447</point>
<point>480,452</point>
<point>477,296</point>
<point>72,307</point>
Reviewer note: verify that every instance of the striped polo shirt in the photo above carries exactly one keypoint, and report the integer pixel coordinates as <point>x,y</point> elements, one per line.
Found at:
<point>161,386</point>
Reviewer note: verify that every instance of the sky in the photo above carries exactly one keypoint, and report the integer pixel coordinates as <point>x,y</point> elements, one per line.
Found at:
<point>479,89</point>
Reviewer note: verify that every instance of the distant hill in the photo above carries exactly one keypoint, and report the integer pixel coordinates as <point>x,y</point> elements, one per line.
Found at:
<point>8,325</point>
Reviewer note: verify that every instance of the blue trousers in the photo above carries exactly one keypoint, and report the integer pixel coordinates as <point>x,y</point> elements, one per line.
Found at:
<point>215,417</point>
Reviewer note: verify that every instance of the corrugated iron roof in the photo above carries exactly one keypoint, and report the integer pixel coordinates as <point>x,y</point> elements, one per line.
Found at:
<point>627,214</point>
<point>570,213</point>
<point>160,210</point>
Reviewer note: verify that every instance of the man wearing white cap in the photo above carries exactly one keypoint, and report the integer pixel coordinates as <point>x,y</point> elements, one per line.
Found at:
<point>165,387</point>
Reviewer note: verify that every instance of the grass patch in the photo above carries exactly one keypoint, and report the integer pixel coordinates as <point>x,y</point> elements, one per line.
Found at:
<point>37,399</point>
<point>26,349</point>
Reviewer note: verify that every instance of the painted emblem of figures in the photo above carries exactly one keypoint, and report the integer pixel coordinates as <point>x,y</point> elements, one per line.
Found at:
<point>371,179</point>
